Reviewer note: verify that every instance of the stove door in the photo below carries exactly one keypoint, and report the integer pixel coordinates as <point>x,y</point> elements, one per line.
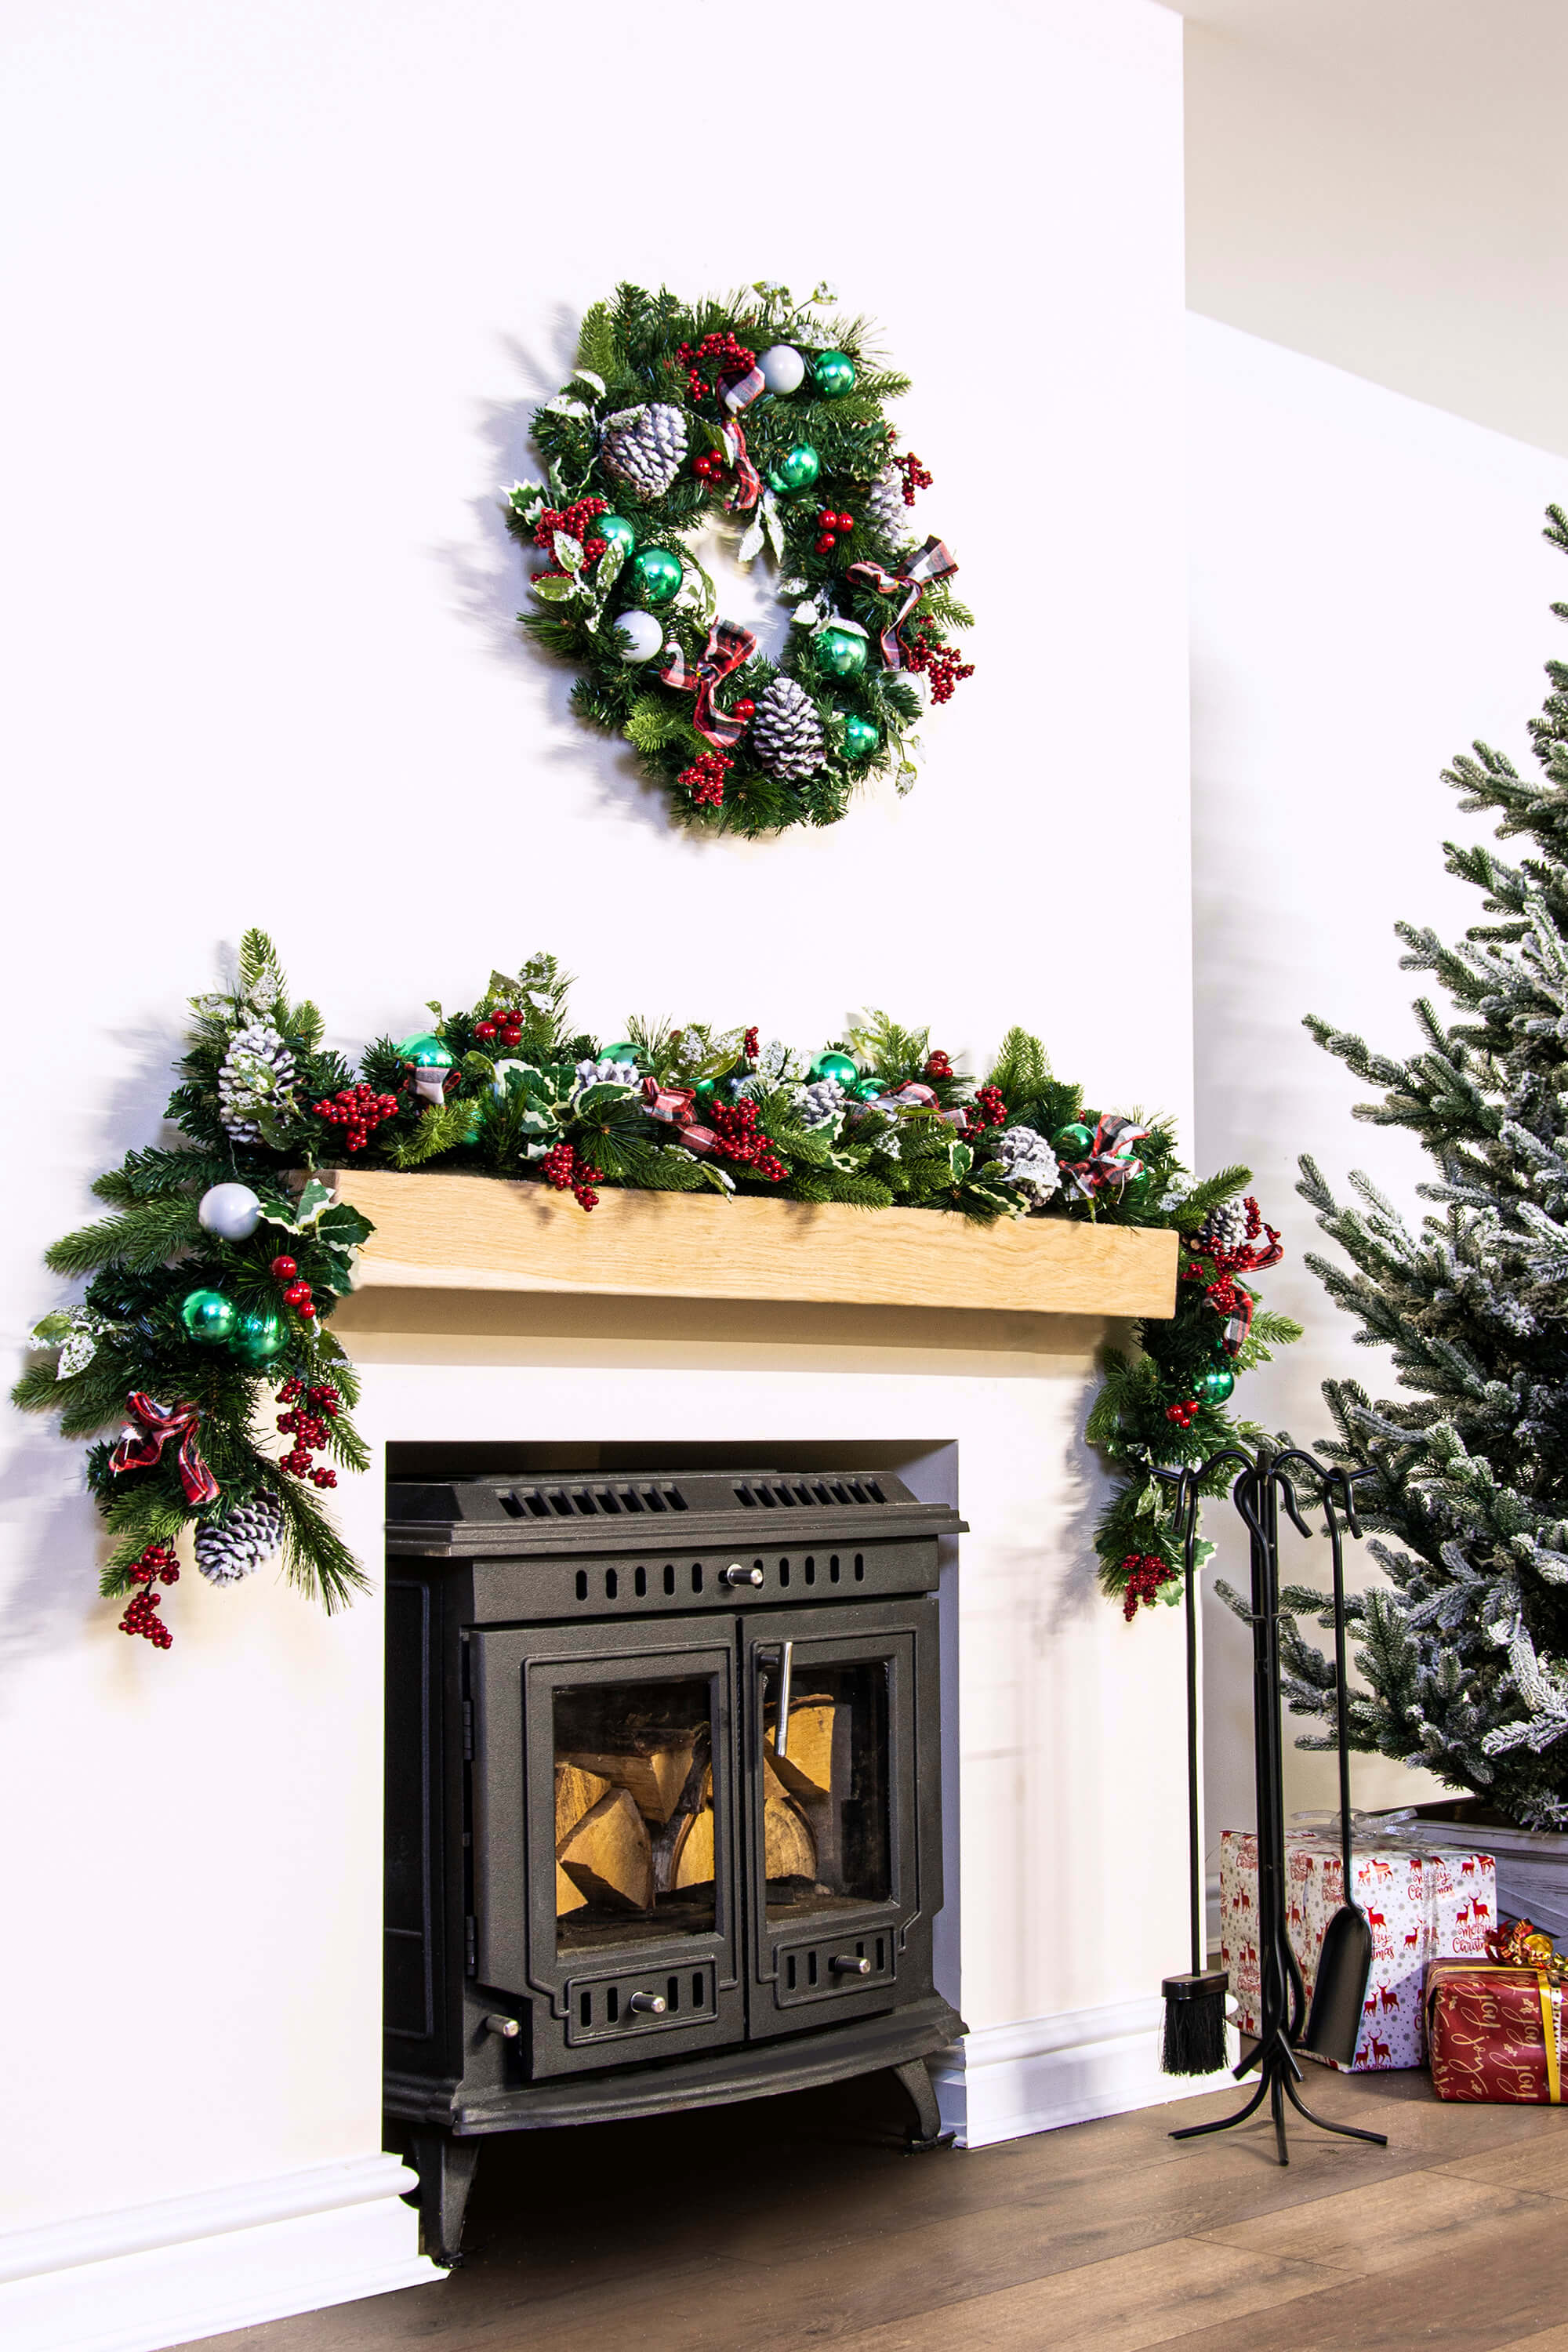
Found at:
<point>604,1830</point>
<point>842,1836</point>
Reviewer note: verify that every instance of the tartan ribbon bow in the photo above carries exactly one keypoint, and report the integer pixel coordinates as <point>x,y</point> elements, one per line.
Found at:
<point>674,1105</point>
<point>748,482</point>
<point>1110,1161</point>
<point>727,648</point>
<point>138,1449</point>
<point>914,576</point>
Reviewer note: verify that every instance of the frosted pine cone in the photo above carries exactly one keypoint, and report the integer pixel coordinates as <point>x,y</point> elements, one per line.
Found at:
<point>259,1072</point>
<point>645,447</point>
<point>1224,1228</point>
<point>820,1102</point>
<point>234,1547</point>
<point>887,509</point>
<point>786,733</point>
<point>1027,1160</point>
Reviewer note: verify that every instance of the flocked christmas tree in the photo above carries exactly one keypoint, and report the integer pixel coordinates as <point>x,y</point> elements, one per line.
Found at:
<point>1466,1656</point>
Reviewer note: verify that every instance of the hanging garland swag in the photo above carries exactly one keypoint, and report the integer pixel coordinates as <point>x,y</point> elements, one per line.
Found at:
<point>211,1281</point>
<point>763,416</point>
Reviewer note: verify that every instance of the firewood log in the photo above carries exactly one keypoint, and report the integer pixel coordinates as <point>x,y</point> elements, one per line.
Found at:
<point>653,1767</point>
<point>567,1896</point>
<point>575,1791</point>
<point>691,1865</point>
<point>608,1854</point>
<point>789,1850</point>
<point>807,1769</point>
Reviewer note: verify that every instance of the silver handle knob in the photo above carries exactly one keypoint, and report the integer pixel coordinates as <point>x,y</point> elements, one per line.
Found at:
<point>647,2004</point>
<point>507,2027</point>
<point>736,1574</point>
<point>849,1964</point>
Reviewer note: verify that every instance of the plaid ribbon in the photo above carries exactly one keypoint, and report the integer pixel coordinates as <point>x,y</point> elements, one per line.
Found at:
<point>727,648</point>
<point>912,578</point>
<point>139,1449</point>
<point>748,482</point>
<point>1110,1161</point>
<point>674,1106</point>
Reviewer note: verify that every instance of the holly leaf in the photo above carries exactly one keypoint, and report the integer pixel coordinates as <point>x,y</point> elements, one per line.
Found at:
<point>568,552</point>
<point>561,407</point>
<point>554,591</point>
<point>594,383</point>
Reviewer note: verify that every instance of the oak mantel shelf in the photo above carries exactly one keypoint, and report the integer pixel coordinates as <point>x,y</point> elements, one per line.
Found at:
<point>471,1233</point>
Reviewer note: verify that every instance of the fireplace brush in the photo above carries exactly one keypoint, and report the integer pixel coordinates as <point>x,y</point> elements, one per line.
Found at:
<point>1193,2041</point>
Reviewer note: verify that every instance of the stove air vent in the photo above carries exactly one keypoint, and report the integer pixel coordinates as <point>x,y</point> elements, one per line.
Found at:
<point>818,1494</point>
<point>609,1502</point>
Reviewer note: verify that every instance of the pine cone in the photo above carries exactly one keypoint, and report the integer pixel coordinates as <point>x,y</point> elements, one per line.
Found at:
<point>258,1071</point>
<point>786,733</point>
<point>886,511</point>
<point>1027,1160</point>
<point>645,447</point>
<point>820,1102</point>
<point>1224,1228</point>
<point>234,1547</point>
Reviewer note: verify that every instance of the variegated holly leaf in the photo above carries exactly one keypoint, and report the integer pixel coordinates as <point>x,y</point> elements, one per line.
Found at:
<point>594,383</point>
<point>568,552</point>
<point>553,590</point>
<point>561,407</point>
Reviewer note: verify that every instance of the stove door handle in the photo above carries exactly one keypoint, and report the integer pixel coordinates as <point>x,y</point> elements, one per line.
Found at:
<point>784,1653</point>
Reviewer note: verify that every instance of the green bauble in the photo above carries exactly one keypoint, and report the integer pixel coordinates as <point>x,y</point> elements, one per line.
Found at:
<point>426,1053</point>
<point>1074,1142</point>
<point>655,574</point>
<point>208,1316</point>
<point>860,735</point>
<point>837,1065</point>
<point>869,1088</point>
<point>839,651</point>
<point>259,1336</point>
<point>616,530</point>
<point>833,373</point>
<point>1214,1386</point>
<point>706,1087</point>
<point>797,469</point>
<point>622,1051</point>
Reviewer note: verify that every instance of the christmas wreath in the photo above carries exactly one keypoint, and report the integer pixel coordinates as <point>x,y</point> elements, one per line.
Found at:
<point>211,1283</point>
<point>761,415</point>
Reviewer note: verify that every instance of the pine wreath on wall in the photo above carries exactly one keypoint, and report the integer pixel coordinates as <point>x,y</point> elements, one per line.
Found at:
<point>759,414</point>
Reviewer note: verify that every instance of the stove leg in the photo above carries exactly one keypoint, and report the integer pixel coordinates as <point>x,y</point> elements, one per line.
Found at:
<point>445,2169</point>
<point>927,2132</point>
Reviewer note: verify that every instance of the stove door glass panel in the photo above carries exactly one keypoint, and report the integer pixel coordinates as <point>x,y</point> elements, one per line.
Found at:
<point>634,1811</point>
<point>826,1835</point>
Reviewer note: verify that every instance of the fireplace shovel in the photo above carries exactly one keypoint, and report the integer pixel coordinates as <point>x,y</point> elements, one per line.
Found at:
<point>1344,1959</point>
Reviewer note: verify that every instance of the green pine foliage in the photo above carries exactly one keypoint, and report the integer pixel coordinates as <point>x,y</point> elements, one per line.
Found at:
<point>1464,1656</point>
<point>628,356</point>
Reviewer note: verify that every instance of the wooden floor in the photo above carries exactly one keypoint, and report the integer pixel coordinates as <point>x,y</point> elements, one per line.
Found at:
<point>800,2221</point>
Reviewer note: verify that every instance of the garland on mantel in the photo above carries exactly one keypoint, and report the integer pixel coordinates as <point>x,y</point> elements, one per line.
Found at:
<point>212,1281</point>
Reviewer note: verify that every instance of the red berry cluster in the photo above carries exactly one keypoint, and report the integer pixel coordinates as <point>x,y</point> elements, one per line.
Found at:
<point>831,528</point>
<point>750,1044</point>
<point>721,354</point>
<point>574,521</point>
<point>987,1109</point>
<point>1145,1575</point>
<point>937,1065</point>
<point>735,1125</point>
<point>915,477</point>
<point>1249,1256</point>
<point>564,1169</point>
<point>1184,1413</point>
<point>942,665</point>
<point>306,1423</point>
<point>704,780</point>
<point>359,1112</point>
<point>709,466</point>
<point>504,1023</point>
<point>296,1293</point>
<point>141,1613</point>
<point>1224,1295</point>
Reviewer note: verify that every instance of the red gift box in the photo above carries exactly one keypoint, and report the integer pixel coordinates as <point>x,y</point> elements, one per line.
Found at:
<point>1494,2031</point>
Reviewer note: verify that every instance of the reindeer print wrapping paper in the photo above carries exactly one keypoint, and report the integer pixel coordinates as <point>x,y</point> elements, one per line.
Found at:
<point>1422,1904</point>
<point>1495,2032</point>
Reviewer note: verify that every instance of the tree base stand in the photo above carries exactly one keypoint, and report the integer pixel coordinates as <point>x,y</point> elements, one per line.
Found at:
<point>1277,2082</point>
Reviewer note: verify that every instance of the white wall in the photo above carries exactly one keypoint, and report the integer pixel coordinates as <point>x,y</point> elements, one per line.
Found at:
<point>1369,594</point>
<point>291,280</point>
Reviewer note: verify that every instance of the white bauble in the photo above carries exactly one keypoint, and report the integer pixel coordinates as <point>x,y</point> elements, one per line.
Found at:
<point>231,1212</point>
<point>639,636</point>
<point>784,369</point>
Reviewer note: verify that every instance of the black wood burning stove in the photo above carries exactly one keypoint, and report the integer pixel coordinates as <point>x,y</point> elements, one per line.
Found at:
<point>663,1800</point>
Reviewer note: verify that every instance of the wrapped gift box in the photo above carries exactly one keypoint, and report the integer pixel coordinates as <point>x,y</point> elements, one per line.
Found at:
<point>1494,2032</point>
<point>1422,1904</point>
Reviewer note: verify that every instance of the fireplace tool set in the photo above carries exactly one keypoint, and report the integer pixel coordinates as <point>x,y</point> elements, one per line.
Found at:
<point>1329,2028</point>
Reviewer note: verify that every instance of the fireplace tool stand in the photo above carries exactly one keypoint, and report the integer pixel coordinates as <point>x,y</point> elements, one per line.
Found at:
<point>1259,1485</point>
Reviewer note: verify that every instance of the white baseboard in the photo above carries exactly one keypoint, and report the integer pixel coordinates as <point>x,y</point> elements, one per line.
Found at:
<point>154,2275</point>
<point>1006,2081</point>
